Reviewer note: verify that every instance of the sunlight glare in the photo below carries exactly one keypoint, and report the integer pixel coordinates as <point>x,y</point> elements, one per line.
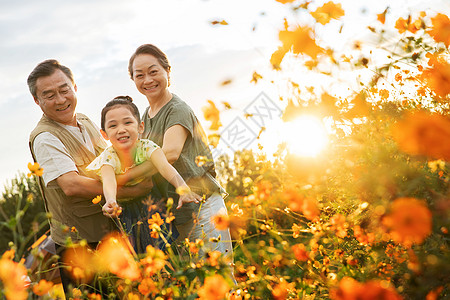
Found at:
<point>305,136</point>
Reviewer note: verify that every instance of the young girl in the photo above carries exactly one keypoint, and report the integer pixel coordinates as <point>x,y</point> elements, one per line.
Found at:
<point>120,124</point>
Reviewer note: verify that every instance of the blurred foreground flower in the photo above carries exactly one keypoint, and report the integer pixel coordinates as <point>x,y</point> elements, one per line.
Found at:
<point>215,288</point>
<point>35,169</point>
<point>440,30</point>
<point>43,287</point>
<point>349,288</point>
<point>115,256</point>
<point>13,275</point>
<point>328,11</point>
<point>409,221</point>
<point>80,263</point>
<point>423,133</point>
<point>212,114</point>
<point>437,78</point>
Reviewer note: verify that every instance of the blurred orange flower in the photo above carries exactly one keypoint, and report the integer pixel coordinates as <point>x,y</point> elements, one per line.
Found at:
<point>13,276</point>
<point>213,258</point>
<point>222,221</point>
<point>440,29</point>
<point>300,252</point>
<point>94,296</point>
<point>212,114</point>
<point>437,78</point>
<point>80,262</point>
<point>35,169</point>
<point>214,288</point>
<point>328,11</point>
<point>281,290</point>
<point>153,261</point>
<point>382,17</point>
<point>300,41</point>
<point>114,253</point>
<point>409,221</point>
<point>384,94</point>
<point>422,133</point>
<point>43,287</point>
<point>147,286</point>
<point>349,288</point>
<point>434,294</point>
<point>339,225</point>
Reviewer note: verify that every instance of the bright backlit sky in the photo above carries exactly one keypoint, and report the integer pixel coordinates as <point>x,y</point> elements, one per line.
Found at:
<point>96,38</point>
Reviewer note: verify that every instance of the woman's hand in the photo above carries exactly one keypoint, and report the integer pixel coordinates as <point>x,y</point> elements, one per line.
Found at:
<point>187,196</point>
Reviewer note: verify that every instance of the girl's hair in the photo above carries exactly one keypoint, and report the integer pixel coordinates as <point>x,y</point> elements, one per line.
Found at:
<point>152,50</point>
<point>126,101</point>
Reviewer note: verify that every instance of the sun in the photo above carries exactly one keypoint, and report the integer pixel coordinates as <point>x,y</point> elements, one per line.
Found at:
<point>305,136</point>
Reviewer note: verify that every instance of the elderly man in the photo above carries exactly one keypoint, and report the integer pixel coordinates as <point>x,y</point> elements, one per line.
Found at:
<point>64,143</point>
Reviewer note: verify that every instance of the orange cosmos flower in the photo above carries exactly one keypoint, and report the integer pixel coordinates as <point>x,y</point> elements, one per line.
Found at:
<point>409,221</point>
<point>300,252</point>
<point>349,288</point>
<point>437,78</point>
<point>339,225</point>
<point>215,288</point>
<point>147,286</point>
<point>237,211</point>
<point>434,294</point>
<point>384,94</point>
<point>43,287</point>
<point>156,219</point>
<point>115,255</point>
<point>382,17</point>
<point>440,29</point>
<point>97,199</point>
<point>213,258</point>
<point>153,261</point>
<point>300,41</point>
<point>9,254</point>
<point>422,133</point>
<point>35,169</point>
<point>211,113</point>
<point>13,276</point>
<point>328,11</point>
<point>221,221</point>
<point>281,290</point>
<point>94,296</point>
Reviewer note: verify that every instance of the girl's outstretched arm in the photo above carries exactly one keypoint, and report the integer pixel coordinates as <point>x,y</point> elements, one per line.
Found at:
<point>109,191</point>
<point>170,174</point>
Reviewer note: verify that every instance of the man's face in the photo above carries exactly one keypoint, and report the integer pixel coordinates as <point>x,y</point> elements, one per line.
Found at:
<point>55,94</point>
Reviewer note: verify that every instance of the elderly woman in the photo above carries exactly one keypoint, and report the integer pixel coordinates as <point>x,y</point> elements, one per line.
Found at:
<point>172,124</point>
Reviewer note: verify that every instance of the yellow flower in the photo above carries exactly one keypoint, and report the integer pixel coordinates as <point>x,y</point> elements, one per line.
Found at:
<point>97,199</point>
<point>201,160</point>
<point>155,219</point>
<point>211,113</point>
<point>301,41</point>
<point>13,275</point>
<point>35,169</point>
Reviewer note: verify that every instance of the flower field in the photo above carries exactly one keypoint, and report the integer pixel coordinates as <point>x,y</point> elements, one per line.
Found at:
<point>367,217</point>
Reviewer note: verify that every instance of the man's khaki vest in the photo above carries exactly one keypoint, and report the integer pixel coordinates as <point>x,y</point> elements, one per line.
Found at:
<point>68,212</point>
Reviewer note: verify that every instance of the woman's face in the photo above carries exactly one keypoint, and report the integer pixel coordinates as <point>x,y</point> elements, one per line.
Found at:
<point>150,78</point>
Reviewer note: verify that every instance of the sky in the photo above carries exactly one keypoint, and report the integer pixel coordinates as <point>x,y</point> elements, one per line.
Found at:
<point>96,38</point>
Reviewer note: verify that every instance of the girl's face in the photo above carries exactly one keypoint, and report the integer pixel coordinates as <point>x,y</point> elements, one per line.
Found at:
<point>122,128</point>
<point>150,78</point>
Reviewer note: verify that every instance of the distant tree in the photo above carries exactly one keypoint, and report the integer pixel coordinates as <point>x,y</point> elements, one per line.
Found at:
<point>22,215</point>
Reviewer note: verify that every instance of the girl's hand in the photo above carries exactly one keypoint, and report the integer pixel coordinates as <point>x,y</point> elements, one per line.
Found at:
<point>188,197</point>
<point>111,209</point>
